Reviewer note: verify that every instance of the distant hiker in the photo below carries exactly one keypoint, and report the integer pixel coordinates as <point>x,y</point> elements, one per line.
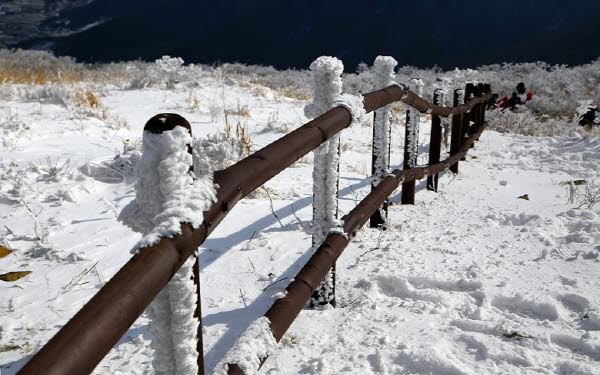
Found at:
<point>590,118</point>
<point>493,102</point>
<point>518,97</point>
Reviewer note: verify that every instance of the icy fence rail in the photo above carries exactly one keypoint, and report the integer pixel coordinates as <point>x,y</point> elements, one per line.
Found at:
<point>82,343</point>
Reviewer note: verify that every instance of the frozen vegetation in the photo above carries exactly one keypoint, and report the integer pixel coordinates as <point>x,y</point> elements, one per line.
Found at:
<point>496,274</point>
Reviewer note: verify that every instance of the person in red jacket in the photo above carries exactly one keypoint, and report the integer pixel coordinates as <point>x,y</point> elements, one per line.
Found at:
<point>519,97</point>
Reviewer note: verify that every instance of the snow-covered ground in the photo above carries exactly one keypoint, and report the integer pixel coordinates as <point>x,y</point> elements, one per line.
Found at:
<point>471,280</point>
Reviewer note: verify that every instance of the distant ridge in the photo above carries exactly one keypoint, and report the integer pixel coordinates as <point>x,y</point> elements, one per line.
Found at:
<point>290,34</point>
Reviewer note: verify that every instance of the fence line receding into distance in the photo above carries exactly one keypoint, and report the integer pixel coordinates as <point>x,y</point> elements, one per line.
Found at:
<point>82,343</point>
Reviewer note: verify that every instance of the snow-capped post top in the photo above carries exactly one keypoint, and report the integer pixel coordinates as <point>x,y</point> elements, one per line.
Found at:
<point>327,87</point>
<point>166,192</point>
<point>384,70</point>
<point>416,86</point>
<point>166,121</point>
<point>327,91</point>
<point>327,65</point>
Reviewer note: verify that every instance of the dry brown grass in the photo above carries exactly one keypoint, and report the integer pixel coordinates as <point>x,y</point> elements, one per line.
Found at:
<point>295,92</point>
<point>21,74</point>
<point>243,138</point>
<point>243,111</point>
<point>86,98</point>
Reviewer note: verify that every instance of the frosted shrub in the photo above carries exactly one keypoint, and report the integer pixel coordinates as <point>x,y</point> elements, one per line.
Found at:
<point>13,182</point>
<point>53,170</point>
<point>167,71</point>
<point>216,151</point>
<point>525,122</point>
<point>41,76</point>
<point>46,93</point>
<point>12,129</point>
<point>83,102</point>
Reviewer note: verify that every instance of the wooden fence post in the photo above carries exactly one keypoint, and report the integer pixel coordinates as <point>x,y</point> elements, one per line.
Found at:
<point>411,144</point>
<point>468,116</point>
<point>456,134</point>
<point>327,88</point>
<point>383,68</point>
<point>478,92</point>
<point>158,125</point>
<point>486,90</point>
<point>435,142</point>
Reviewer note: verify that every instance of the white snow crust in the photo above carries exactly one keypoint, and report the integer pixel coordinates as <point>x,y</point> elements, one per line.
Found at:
<point>255,343</point>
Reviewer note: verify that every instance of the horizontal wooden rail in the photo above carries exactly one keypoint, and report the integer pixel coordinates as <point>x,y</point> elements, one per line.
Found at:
<point>285,310</point>
<point>82,343</point>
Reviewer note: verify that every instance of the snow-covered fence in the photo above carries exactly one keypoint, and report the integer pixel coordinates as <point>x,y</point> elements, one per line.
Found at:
<point>82,343</point>
<point>327,90</point>
<point>284,310</point>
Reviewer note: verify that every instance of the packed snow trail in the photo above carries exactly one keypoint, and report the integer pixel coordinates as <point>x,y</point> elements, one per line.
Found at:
<point>470,280</point>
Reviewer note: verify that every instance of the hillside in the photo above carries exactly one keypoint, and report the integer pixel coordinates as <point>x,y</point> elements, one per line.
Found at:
<point>470,280</point>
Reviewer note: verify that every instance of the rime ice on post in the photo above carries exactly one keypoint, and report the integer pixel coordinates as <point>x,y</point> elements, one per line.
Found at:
<point>327,90</point>
<point>412,121</point>
<point>445,86</point>
<point>411,143</point>
<point>384,77</point>
<point>166,195</point>
<point>469,115</point>
<point>383,67</point>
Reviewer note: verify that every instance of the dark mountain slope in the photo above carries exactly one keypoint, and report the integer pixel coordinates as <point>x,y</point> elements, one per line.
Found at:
<point>292,33</point>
